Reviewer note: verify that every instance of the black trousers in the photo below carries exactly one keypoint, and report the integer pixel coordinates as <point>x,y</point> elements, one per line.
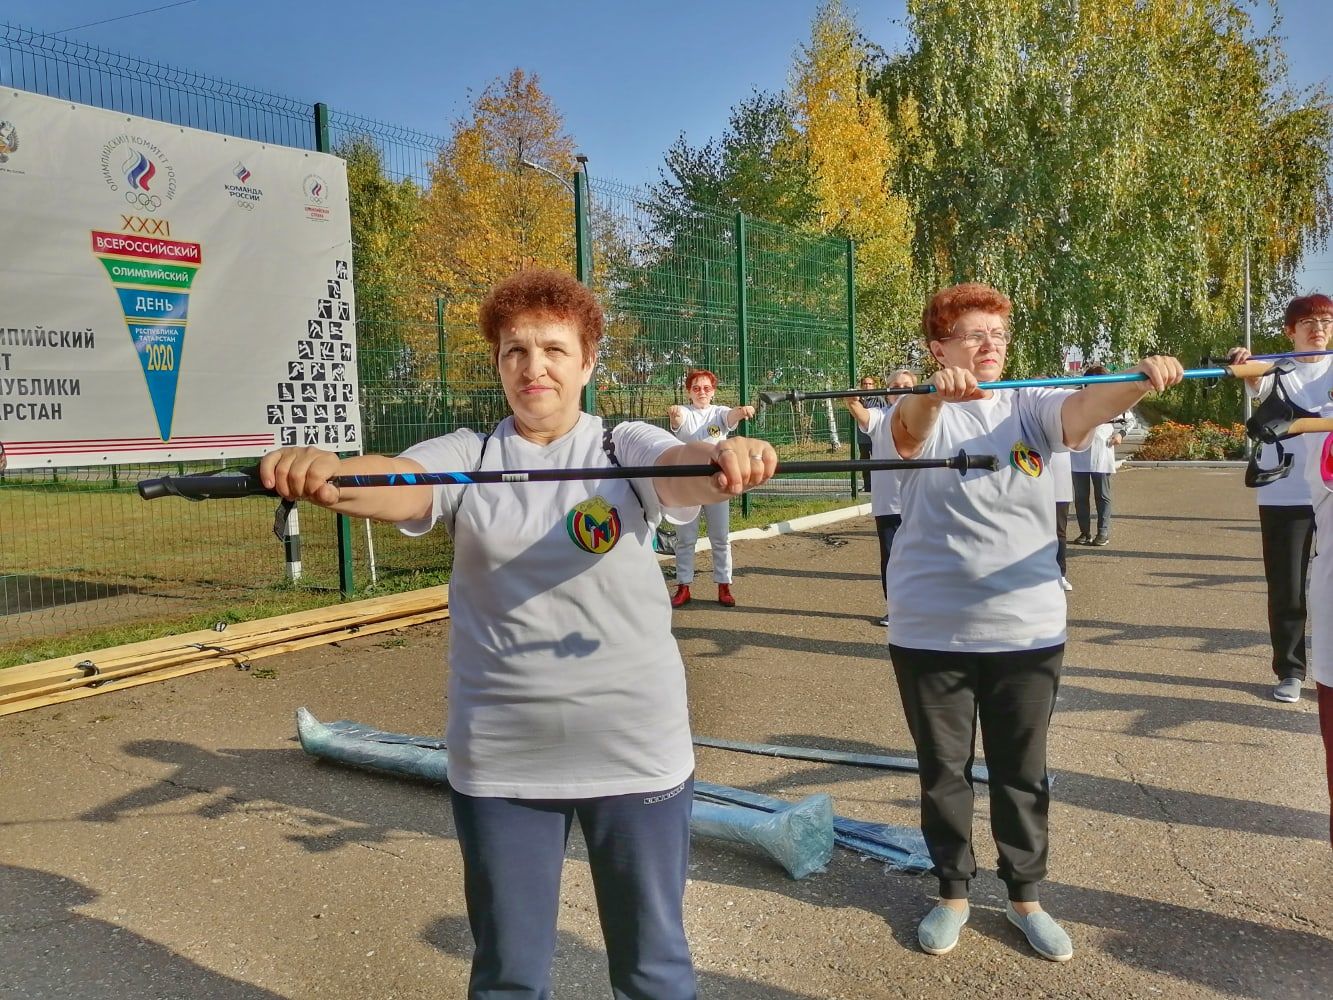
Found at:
<point>1287,534</point>
<point>1061,529</point>
<point>863,449</point>
<point>886,526</point>
<point>638,851</point>
<point>1099,483</point>
<point>1012,694</point>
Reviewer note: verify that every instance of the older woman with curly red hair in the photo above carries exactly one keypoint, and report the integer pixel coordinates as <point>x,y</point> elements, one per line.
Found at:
<point>978,628</point>
<point>566,687</point>
<point>704,420</point>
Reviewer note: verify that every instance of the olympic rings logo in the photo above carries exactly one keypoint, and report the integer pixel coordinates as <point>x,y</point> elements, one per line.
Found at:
<point>147,202</point>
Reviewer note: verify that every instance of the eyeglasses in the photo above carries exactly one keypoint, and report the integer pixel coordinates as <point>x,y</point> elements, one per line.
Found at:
<point>1316,323</point>
<point>975,338</point>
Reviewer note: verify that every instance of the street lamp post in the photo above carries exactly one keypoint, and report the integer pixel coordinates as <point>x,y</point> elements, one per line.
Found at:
<point>582,238</point>
<point>550,173</point>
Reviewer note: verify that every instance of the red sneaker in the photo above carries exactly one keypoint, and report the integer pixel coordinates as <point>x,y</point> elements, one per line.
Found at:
<point>681,596</point>
<point>724,597</point>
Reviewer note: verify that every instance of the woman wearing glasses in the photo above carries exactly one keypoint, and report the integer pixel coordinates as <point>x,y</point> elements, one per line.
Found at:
<point>703,420</point>
<point>1286,518</point>
<point>979,615</point>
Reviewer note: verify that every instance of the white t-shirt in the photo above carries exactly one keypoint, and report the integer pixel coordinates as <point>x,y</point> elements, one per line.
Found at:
<point>1099,456</point>
<point>564,678</point>
<point>883,485</point>
<point>1302,385</point>
<point>707,424</point>
<point>973,568</point>
<point>1062,475</point>
<point>1320,597</point>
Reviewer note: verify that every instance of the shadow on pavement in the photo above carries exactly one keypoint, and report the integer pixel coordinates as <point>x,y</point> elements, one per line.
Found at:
<point>49,949</point>
<point>580,971</point>
<point>1193,580</point>
<point>339,805</point>
<point>1153,714</point>
<point>1206,640</point>
<point>343,806</point>
<point>1261,690</point>
<point>1228,954</point>
<point>1122,797</point>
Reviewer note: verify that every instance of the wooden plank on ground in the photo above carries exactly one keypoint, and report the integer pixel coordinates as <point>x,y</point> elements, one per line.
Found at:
<point>60,679</point>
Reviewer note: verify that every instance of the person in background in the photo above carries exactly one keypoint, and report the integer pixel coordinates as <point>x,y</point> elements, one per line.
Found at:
<point>1060,465</point>
<point>873,423</point>
<point>979,618</point>
<point>863,443</point>
<point>703,420</point>
<point>1092,470</point>
<point>1286,517</point>
<point>1315,396</point>
<point>1321,596</point>
<point>567,692</point>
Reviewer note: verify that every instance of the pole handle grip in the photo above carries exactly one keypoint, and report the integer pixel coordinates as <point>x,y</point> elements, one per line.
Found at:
<point>230,485</point>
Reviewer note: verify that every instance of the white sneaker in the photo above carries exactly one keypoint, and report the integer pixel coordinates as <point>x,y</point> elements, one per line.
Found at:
<point>1065,585</point>
<point>883,621</point>
<point>1288,690</point>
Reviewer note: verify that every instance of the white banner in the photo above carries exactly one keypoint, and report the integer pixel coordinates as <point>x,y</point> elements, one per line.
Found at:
<point>168,294</point>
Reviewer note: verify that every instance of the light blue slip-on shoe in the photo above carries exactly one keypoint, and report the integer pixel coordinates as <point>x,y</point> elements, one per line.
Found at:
<point>939,929</point>
<point>1048,939</point>
<point>1288,689</point>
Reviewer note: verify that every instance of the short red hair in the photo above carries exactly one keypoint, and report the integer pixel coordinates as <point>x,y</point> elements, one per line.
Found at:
<point>946,305</point>
<point>1306,306</point>
<point>695,373</point>
<point>540,291</point>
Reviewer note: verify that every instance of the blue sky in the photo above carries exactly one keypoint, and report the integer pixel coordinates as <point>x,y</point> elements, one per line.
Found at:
<point>628,75</point>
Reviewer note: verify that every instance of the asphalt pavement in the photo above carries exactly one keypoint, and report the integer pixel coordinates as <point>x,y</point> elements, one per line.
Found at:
<point>173,841</point>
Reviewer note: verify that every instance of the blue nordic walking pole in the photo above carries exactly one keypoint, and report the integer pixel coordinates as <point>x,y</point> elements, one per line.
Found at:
<point>1222,359</point>
<point>1247,370</point>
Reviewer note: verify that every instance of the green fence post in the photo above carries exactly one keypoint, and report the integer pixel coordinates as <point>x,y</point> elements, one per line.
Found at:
<point>323,144</point>
<point>442,339</point>
<point>343,526</point>
<point>851,348</point>
<point>742,328</point>
<point>583,263</point>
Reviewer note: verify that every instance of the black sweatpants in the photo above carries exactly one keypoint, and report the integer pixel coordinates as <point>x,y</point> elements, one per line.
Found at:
<point>1287,534</point>
<point>1061,529</point>
<point>638,850</point>
<point>886,526</point>
<point>1013,695</point>
<point>863,449</point>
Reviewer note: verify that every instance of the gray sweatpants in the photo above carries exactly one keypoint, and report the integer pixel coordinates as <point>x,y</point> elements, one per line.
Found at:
<point>719,526</point>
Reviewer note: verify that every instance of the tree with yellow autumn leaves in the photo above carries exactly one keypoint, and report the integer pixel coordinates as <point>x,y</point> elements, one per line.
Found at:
<point>485,214</point>
<point>851,150</point>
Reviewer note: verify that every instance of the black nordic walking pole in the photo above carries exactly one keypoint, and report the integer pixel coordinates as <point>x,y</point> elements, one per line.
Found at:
<point>245,482</point>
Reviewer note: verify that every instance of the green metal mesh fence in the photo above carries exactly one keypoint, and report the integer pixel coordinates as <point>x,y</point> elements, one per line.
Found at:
<point>684,286</point>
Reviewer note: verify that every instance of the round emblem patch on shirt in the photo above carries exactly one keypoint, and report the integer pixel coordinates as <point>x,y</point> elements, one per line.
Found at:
<point>1025,460</point>
<point>594,526</point>
<point>714,431</point>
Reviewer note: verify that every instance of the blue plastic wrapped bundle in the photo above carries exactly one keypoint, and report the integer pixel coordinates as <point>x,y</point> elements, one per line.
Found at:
<point>902,848</point>
<point>799,837</point>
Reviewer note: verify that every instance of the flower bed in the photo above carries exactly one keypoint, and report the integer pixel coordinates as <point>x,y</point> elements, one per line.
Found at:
<point>1169,441</point>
